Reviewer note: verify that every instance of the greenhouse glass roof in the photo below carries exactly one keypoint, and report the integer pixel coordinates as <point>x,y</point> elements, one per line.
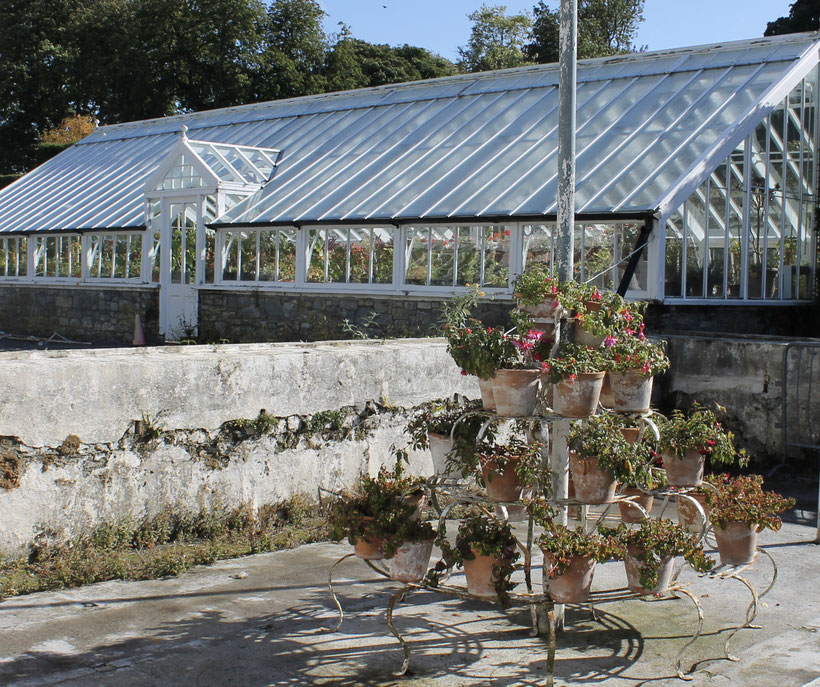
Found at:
<point>469,146</point>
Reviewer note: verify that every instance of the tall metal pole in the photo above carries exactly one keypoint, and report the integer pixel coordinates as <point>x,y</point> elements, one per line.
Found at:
<point>568,38</point>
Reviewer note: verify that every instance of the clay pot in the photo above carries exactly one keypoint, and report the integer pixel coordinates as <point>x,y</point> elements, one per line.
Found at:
<point>578,397</point>
<point>573,585</point>
<point>487,396</point>
<point>418,500</point>
<point>631,391</point>
<point>544,310</point>
<point>440,446</point>
<point>686,471</point>
<point>628,512</point>
<point>411,561</point>
<point>737,543</point>
<point>369,548</point>
<point>547,327</point>
<point>515,392</point>
<point>606,394</point>
<point>631,434</point>
<point>504,487</point>
<point>592,484</point>
<point>688,515</point>
<point>480,578</point>
<point>585,338</point>
<point>633,573</point>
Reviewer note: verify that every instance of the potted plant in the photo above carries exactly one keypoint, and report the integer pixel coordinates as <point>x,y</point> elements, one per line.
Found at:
<point>600,313</point>
<point>576,373</point>
<point>570,555</point>
<point>506,469</point>
<point>488,551</point>
<point>600,456</point>
<point>687,440</point>
<point>377,515</point>
<point>739,509</point>
<point>648,553</point>
<point>441,427</point>
<point>536,291</point>
<point>632,363</point>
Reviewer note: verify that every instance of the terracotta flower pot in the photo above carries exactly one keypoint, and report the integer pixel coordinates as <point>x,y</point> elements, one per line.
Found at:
<point>440,446</point>
<point>688,514</point>
<point>631,391</point>
<point>592,484</point>
<point>547,327</point>
<point>686,471</point>
<point>369,548</point>
<point>578,397</point>
<point>631,434</point>
<point>480,577</point>
<point>606,393</point>
<point>737,543</point>
<point>573,585</point>
<point>487,396</point>
<point>546,309</point>
<point>631,514</point>
<point>504,487</point>
<point>515,392</point>
<point>411,561</point>
<point>633,573</point>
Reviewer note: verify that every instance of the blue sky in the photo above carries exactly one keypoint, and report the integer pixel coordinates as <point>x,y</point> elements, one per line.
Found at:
<point>442,25</point>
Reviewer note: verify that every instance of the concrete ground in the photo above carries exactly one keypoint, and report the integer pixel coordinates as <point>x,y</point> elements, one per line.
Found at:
<point>258,621</point>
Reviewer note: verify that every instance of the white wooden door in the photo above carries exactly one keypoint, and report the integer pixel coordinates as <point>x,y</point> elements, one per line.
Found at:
<point>178,278</point>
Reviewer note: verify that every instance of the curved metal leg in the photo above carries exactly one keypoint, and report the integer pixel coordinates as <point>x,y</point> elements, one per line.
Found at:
<point>695,636</point>
<point>774,574</point>
<point>399,596</point>
<point>333,594</point>
<point>551,647</point>
<point>751,612</point>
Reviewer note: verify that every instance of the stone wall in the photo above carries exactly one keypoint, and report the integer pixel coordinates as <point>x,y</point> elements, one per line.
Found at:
<point>102,315</point>
<point>251,316</point>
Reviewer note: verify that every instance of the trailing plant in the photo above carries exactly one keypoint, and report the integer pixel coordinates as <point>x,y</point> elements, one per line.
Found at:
<point>701,431</point>
<point>480,535</point>
<point>563,543</point>
<point>743,499</point>
<point>635,352</point>
<point>525,458</point>
<point>599,438</point>
<point>653,541</point>
<point>571,360</point>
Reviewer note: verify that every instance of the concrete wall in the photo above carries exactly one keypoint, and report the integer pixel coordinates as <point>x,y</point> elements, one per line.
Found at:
<point>98,314</point>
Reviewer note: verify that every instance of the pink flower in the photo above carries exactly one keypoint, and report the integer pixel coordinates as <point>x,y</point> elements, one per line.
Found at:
<point>645,368</point>
<point>610,341</point>
<point>464,372</point>
<point>572,377</point>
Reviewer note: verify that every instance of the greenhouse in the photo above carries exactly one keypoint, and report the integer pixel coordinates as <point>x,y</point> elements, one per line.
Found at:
<point>702,161</point>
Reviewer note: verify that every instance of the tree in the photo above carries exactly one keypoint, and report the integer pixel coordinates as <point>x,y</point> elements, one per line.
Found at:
<point>605,27</point>
<point>294,50</point>
<point>496,40</point>
<point>804,15</point>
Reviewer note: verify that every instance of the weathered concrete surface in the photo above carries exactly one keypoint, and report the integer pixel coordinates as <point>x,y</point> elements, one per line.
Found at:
<point>256,621</point>
<point>97,395</point>
<point>745,375</point>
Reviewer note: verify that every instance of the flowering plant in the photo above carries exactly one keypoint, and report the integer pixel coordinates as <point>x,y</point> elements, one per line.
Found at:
<point>525,457</point>
<point>636,352</point>
<point>561,544</point>
<point>572,360</point>
<point>478,350</point>
<point>653,541</point>
<point>599,438</point>
<point>700,431</point>
<point>742,499</point>
<point>535,285</point>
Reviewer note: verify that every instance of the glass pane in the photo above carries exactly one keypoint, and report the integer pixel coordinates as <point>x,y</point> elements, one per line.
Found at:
<point>496,256</point>
<point>716,241</point>
<point>51,256</point>
<point>135,257</point>
<point>538,243</point>
<point>337,263</point>
<point>210,255</point>
<point>773,248</point>
<point>247,271</point>
<point>599,255</point>
<point>177,239</point>
<point>359,256</point>
<point>267,255</point>
<point>415,255</point>
<point>315,251</point>
<point>230,269</point>
<point>578,252</point>
<point>39,256</point>
<point>120,256</point>
<point>469,255</point>
<point>190,243</point>
<point>155,257</point>
<point>674,256</point>
<point>383,255</point>
<point>287,255</point>
<point>626,236</point>
<point>805,283</point>
<point>442,256</point>
<point>695,242</point>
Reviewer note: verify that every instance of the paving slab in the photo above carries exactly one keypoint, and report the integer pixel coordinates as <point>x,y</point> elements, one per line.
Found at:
<point>257,621</point>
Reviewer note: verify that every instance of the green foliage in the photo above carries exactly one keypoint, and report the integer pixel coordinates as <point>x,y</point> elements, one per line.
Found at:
<point>150,429</point>
<point>562,544</point>
<point>605,27</point>
<point>479,350</point>
<point>804,15</point>
<point>636,352</point>
<point>496,40</point>
<point>571,360</point>
<point>700,430</point>
<point>535,284</point>
<point>742,499</point>
<point>364,330</point>
<point>599,438</point>
<point>332,420</point>
<point>494,458</point>
<point>655,541</point>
